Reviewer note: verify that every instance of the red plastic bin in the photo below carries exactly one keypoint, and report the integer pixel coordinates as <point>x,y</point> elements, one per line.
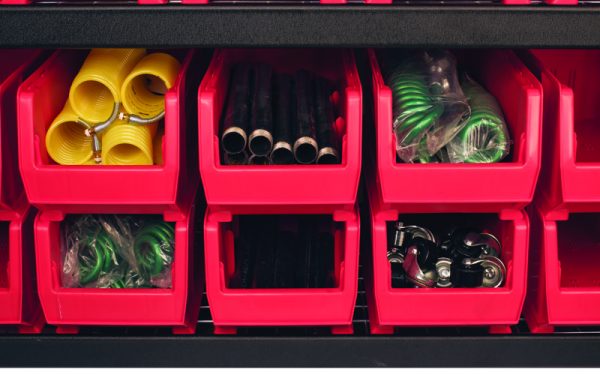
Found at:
<point>564,287</point>
<point>26,2</point>
<point>15,64</point>
<point>192,2</point>
<point>570,177</point>
<point>185,2</point>
<point>18,295</point>
<point>565,290</point>
<point>70,308</point>
<point>232,308</point>
<point>108,189</point>
<point>504,2</point>
<point>471,187</point>
<point>496,308</point>
<point>317,188</point>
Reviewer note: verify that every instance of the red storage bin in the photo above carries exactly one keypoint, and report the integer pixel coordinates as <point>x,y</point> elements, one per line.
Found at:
<point>570,178</point>
<point>15,64</point>
<point>295,2</point>
<point>26,2</point>
<point>233,308</point>
<point>70,308</point>
<point>467,187</point>
<point>18,296</point>
<point>564,286</point>
<point>105,188</point>
<point>506,2</point>
<point>564,289</point>
<point>317,188</point>
<point>562,2</point>
<point>497,308</point>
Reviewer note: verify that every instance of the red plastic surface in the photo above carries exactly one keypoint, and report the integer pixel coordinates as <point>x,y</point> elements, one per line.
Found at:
<point>393,307</point>
<point>570,177</point>
<point>15,64</point>
<point>317,188</point>
<point>109,189</point>
<point>470,187</point>
<point>232,308</point>
<point>191,2</point>
<point>562,2</point>
<point>18,296</point>
<point>152,2</point>
<point>564,283</point>
<point>69,308</point>
<point>25,2</point>
<point>506,2</point>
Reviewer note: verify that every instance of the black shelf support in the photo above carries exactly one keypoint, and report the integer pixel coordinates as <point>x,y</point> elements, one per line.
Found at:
<point>509,351</point>
<point>299,25</point>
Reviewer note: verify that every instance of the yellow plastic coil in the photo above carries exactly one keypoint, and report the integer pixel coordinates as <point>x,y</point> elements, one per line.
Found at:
<point>143,91</point>
<point>97,86</point>
<point>66,142</point>
<point>128,144</point>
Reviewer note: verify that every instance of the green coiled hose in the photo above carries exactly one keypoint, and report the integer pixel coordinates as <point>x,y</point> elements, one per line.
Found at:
<point>415,108</point>
<point>484,138</point>
<point>111,255</point>
<point>153,248</point>
<point>97,256</point>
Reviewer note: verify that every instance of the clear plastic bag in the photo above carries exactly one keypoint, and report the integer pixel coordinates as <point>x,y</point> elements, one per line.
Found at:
<point>428,103</point>
<point>117,251</point>
<point>484,138</point>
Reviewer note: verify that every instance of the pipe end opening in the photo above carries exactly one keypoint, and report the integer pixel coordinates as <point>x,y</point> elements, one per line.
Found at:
<point>305,150</point>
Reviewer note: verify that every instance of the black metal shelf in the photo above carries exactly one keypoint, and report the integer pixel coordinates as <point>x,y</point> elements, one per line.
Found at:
<point>299,25</point>
<point>300,351</point>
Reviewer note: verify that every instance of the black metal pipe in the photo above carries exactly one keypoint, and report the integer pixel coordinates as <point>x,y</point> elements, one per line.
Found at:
<point>237,111</point>
<point>264,273</point>
<point>260,141</point>
<point>258,160</point>
<point>240,158</point>
<point>305,147</point>
<point>284,116</point>
<point>245,254</point>
<point>286,249</point>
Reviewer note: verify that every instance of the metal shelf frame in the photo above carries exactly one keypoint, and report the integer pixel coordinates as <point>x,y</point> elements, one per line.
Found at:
<point>507,351</point>
<point>299,25</point>
<point>352,25</point>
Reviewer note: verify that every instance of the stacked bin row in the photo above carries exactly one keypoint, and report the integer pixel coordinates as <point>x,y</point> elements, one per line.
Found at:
<point>562,288</point>
<point>168,190</point>
<point>18,297</point>
<point>492,195</point>
<point>281,189</point>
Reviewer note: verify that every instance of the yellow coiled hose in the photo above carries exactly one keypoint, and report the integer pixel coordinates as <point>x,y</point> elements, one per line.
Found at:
<point>97,87</point>
<point>65,139</point>
<point>127,144</point>
<point>86,128</point>
<point>143,91</point>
